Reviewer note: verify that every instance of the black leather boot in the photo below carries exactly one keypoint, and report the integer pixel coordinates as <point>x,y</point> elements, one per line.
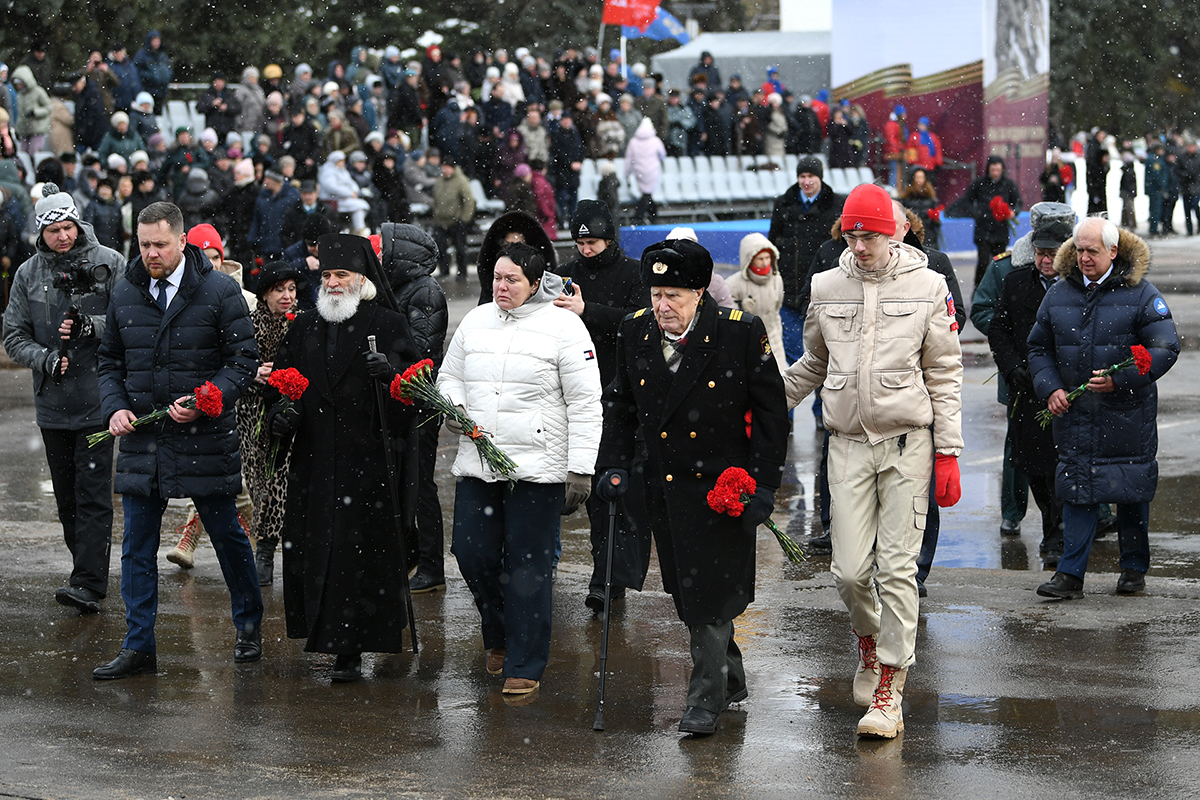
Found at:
<point>264,562</point>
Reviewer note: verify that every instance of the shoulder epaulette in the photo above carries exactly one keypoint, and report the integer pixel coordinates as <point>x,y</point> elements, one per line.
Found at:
<point>635,314</point>
<point>1002,256</point>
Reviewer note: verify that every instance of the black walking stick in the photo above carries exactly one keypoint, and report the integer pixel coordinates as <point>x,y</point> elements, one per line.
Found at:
<point>395,492</point>
<point>615,480</point>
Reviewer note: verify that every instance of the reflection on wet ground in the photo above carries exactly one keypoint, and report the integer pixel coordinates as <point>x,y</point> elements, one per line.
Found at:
<point>1010,696</point>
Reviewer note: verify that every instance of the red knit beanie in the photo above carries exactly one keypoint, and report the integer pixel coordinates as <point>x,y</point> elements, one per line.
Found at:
<point>868,208</point>
<point>205,236</point>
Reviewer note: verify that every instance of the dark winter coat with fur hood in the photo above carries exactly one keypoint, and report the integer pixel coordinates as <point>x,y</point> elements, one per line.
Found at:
<point>493,243</point>
<point>1107,443</point>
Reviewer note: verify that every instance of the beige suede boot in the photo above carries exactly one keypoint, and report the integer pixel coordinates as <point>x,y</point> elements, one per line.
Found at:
<point>885,719</point>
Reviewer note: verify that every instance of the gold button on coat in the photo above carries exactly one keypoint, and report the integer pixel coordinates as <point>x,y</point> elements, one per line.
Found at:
<point>663,434</point>
<point>693,434</point>
<point>669,479</point>
<point>711,384</point>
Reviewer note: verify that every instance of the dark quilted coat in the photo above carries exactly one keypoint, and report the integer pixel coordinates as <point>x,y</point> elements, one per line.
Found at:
<point>409,257</point>
<point>1106,442</point>
<point>149,358</point>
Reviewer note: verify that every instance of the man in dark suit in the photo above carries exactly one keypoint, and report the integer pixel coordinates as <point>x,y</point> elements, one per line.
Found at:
<point>173,324</point>
<point>703,385</point>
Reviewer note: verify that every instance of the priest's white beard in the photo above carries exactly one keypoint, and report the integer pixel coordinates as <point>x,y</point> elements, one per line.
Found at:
<point>340,304</point>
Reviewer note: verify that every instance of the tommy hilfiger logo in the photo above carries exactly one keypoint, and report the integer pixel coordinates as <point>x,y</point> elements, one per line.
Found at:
<point>589,355</point>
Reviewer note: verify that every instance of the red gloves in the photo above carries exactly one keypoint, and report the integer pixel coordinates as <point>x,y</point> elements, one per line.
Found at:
<point>946,488</point>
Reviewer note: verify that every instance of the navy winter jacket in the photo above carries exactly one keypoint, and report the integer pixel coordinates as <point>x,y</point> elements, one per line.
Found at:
<point>270,210</point>
<point>1107,443</point>
<point>150,358</point>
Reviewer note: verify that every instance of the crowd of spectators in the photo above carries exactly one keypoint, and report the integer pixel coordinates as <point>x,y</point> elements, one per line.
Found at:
<point>375,136</point>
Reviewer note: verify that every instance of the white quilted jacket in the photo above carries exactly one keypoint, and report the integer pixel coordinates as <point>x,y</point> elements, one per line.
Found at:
<point>529,377</point>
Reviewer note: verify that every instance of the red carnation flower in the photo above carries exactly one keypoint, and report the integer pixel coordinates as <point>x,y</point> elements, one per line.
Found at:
<point>1001,211</point>
<point>1141,359</point>
<point>735,488</point>
<point>209,400</point>
<point>396,389</point>
<point>289,316</point>
<point>290,383</point>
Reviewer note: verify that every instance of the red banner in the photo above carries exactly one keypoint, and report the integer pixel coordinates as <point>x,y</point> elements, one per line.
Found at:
<point>638,13</point>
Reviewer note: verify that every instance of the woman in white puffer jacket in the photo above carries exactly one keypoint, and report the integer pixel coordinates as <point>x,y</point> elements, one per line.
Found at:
<point>525,371</point>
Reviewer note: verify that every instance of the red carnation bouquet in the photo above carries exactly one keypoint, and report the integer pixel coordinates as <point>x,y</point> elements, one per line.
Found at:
<point>291,384</point>
<point>935,213</point>
<point>416,383</point>
<point>1139,357</point>
<point>735,488</point>
<point>206,399</point>
<point>1002,212</point>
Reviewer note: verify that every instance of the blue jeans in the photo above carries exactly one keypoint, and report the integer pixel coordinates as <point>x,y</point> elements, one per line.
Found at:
<point>139,564</point>
<point>793,333</point>
<point>504,543</point>
<point>1079,531</point>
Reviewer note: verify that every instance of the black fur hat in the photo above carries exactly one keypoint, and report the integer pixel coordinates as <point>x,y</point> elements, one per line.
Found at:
<point>677,262</point>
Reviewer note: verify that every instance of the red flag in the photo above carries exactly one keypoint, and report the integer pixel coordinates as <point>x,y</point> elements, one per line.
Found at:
<point>638,13</point>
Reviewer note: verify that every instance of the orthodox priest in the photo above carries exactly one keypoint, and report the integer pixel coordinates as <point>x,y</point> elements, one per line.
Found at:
<point>343,580</point>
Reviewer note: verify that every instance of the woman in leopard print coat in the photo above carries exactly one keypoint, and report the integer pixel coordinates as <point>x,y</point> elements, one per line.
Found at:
<point>278,284</point>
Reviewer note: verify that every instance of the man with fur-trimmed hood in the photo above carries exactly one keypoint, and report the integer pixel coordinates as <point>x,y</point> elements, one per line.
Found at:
<point>1107,438</point>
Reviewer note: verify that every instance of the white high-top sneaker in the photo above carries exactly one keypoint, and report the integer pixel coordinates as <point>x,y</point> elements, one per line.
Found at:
<point>866,677</point>
<point>885,719</point>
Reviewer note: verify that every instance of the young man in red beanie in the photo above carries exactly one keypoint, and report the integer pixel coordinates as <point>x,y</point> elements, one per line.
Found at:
<point>881,339</point>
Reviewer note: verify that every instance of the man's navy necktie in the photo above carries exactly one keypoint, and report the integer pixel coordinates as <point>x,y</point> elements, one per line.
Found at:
<point>161,297</point>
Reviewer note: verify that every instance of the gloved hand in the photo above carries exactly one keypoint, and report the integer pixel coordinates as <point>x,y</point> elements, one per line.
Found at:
<point>83,328</point>
<point>607,490</point>
<point>284,422</point>
<point>1019,379</point>
<point>759,509</point>
<point>946,487</point>
<point>453,426</point>
<point>53,361</point>
<point>578,489</point>
<point>379,368</point>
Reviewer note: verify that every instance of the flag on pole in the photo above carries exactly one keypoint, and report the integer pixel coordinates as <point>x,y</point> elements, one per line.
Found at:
<point>664,26</point>
<point>639,13</point>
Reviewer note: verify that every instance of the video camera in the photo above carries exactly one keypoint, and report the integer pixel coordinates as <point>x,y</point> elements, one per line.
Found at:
<point>81,278</point>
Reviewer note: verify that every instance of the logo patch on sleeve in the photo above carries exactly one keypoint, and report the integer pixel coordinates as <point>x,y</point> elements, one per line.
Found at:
<point>950,311</point>
<point>766,346</point>
<point>1160,306</point>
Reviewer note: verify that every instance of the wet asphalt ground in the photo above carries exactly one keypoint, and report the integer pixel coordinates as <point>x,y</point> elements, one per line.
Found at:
<point>1011,695</point>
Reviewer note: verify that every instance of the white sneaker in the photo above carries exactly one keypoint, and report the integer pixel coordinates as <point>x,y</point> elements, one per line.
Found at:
<point>885,719</point>
<point>866,677</point>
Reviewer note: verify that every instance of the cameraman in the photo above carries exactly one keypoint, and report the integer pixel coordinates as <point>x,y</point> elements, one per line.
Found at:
<point>67,272</point>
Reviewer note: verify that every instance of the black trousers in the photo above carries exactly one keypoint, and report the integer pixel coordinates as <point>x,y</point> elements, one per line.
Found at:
<point>442,237</point>
<point>82,479</point>
<point>986,252</point>
<point>717,671</point>
<point>431,536</point>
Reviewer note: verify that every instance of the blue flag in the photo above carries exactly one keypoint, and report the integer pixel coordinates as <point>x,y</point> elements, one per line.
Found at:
<point>664,26</point>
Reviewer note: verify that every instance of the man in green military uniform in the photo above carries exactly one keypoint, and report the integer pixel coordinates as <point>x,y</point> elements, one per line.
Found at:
<point>703,384</point>
<point>1014,485</point>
